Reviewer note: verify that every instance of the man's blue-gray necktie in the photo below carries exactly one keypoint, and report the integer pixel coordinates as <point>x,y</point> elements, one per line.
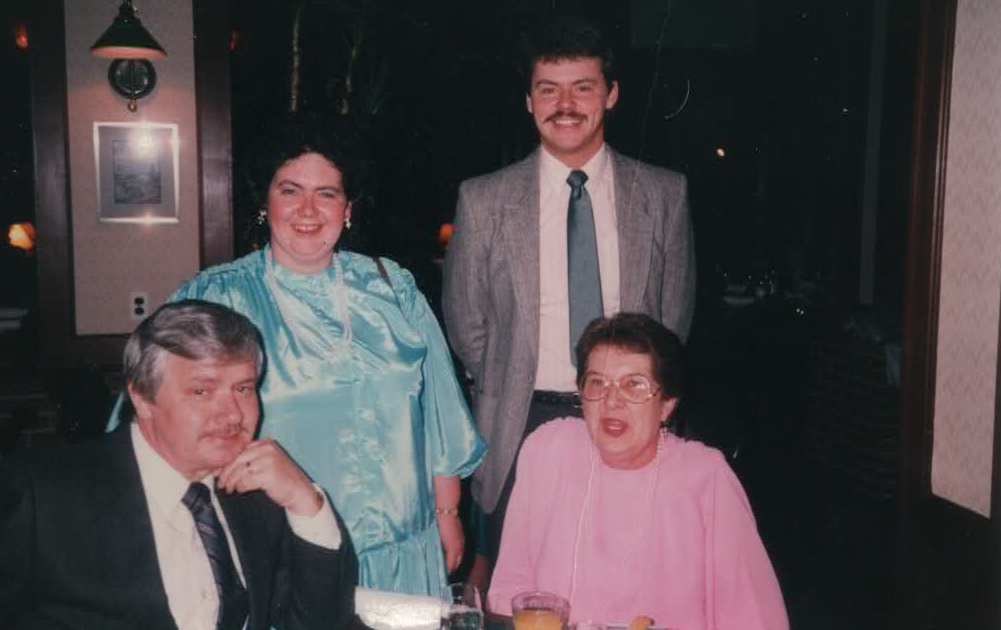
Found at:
<point>233,600</point>
<point>583,276</point>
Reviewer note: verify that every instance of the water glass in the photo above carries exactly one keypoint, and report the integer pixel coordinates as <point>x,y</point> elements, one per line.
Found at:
<point>538,610</point>
<point>462,608</point>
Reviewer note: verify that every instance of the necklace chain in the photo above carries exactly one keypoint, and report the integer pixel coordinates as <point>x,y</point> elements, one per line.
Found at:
<point>588,511</point>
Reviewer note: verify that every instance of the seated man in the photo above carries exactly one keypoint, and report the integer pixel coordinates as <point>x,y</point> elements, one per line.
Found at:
<point>179,519</point>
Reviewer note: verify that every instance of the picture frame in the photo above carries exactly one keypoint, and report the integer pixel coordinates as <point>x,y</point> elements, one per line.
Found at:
<point>136,168</point>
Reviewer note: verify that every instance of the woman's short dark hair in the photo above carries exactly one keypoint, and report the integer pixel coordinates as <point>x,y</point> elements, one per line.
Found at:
<point>638,333</point>
<point>567,37</point>
<point>298,133</point>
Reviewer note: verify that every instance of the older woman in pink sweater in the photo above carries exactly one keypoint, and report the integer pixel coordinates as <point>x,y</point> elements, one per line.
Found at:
<point>625,519</point>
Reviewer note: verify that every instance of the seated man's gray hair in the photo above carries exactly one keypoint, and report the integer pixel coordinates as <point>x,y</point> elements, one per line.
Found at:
<point>194,330</point>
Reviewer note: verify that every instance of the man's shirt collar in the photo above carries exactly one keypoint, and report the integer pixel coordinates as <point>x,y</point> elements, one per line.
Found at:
<point>553,173</point>
<point>165,487</point>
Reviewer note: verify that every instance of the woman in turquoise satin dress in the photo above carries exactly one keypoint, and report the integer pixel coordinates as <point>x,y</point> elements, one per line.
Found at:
<point>359,386</point>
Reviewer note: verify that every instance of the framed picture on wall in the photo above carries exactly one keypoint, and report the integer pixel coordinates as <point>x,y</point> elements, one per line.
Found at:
<point>136,165</point>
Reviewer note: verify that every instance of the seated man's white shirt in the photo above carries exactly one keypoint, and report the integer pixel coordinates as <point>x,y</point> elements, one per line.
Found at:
<point>555,371</point>
<point>184,565</point>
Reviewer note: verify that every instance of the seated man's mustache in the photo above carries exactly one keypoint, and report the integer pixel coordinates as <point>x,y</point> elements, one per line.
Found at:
<point>230,431</point>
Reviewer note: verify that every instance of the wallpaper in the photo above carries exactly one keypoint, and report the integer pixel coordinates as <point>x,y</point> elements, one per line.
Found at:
<point>112,261</point>
<point>970,295</point>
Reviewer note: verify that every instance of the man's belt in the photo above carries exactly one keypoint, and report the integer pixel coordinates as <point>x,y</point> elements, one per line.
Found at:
<point>546,397</point>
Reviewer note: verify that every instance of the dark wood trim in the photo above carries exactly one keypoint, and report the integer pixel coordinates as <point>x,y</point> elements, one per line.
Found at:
<point>215,153</point>
<point>958,578</point>
<point>995,533</point>
<point>52,212</point>
<point>921,294</point>
<point>60,345</point>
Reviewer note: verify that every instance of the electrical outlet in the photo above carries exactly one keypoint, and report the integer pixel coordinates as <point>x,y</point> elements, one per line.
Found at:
<point>139,306</point>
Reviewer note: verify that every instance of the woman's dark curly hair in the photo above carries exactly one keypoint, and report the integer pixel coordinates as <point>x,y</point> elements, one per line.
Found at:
<point>298,133</point>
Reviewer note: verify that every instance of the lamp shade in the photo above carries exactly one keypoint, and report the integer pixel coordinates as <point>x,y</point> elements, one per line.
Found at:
<point>22,236</point>
<point>127,39</point>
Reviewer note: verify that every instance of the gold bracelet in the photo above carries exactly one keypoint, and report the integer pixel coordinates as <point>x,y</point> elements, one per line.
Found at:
<point>452,511</point>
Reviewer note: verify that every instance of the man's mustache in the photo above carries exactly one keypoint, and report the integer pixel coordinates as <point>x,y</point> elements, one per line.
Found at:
<point>227,432</point>
<point>565,113</point>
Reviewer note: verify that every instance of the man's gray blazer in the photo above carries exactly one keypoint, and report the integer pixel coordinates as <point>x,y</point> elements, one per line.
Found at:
<point>491,286</point>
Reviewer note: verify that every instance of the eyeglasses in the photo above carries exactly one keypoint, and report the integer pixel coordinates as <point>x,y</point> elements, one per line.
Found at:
<point>632,388</point>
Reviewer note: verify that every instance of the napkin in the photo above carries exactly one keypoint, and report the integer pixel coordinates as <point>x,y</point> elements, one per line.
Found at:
<point>384,610</point>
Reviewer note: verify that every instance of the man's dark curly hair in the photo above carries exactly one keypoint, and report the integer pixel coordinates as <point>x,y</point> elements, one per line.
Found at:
<point>564,37</point>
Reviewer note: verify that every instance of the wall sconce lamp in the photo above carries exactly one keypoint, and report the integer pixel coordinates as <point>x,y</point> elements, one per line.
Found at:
<point>22,236</point>
<point>21,36</point>
<point>131,47</point>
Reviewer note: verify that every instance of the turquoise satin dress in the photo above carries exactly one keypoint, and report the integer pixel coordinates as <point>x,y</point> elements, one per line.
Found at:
<point>372,421</point>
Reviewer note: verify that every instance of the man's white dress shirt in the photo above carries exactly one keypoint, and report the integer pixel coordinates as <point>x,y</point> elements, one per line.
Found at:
<point>555,370</point>
<point>184,565</point>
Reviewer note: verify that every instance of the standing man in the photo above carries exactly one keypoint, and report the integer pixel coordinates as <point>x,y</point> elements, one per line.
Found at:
<point>573,232</point>
<point>179,519</point>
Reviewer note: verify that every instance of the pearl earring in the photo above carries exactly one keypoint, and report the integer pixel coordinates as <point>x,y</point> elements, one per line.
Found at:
<point>347,223</point>
<point>262,216</point>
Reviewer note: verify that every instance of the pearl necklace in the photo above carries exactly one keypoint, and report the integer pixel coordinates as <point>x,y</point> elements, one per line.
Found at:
<point>306,337</point>
<point>589,509</point>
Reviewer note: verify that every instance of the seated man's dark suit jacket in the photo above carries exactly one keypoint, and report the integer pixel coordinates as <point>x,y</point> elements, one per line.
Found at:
<point>77,550</point>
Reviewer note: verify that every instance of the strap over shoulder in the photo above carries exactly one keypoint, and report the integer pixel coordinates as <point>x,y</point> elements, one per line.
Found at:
<point>385,276</point>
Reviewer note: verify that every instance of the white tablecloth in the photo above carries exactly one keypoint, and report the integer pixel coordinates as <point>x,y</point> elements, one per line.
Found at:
<point>383,610</point>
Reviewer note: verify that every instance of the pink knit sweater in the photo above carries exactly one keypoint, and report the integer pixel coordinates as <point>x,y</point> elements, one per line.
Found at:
<point>675,540</point>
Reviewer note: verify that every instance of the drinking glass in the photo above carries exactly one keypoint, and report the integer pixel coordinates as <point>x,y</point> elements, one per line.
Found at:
<point>462,608</point>
<point>538,610</point>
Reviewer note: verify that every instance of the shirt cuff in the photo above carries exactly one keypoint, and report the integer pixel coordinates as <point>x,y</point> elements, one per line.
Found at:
<point>320,529</point>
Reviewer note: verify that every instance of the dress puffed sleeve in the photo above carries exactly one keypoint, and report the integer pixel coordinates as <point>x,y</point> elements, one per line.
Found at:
<point>742,590</point>
<point>453,444</point>
<point>240,285</point>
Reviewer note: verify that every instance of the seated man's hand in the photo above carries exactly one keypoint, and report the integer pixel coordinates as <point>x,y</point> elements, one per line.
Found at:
<point>264,465</point>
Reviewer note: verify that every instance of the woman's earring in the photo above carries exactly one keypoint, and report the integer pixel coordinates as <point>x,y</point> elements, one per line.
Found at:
<point>347,223</point>
<point>262,216</point>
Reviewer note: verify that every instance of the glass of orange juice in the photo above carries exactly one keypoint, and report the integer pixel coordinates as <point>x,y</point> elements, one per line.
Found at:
<point>538,610</point>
